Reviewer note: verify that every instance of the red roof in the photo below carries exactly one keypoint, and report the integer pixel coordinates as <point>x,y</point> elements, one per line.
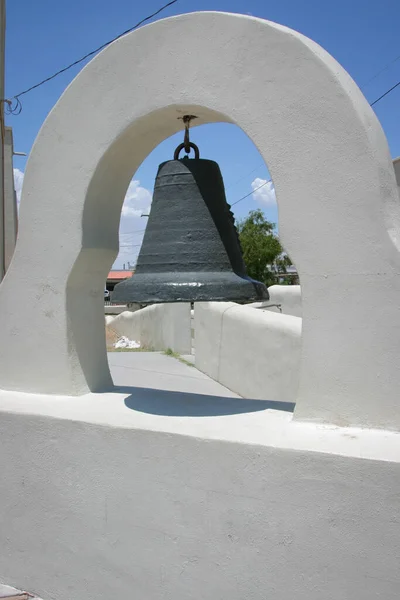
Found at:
<point>119,274</point>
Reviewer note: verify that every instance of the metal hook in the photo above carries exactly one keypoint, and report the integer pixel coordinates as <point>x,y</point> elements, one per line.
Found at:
<point>182,146</point>
<point>186,139</point>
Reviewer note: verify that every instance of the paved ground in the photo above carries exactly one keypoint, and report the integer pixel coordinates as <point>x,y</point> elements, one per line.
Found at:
<point>155,392</point>
<point>155,370</point>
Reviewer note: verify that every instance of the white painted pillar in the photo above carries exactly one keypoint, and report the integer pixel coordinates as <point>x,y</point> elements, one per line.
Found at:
<point>10,200</point>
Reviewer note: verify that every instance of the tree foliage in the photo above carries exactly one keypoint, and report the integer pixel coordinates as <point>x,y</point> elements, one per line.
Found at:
<point>262,251</point>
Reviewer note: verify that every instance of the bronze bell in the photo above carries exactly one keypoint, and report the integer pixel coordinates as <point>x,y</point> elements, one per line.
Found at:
<point>191,250</point>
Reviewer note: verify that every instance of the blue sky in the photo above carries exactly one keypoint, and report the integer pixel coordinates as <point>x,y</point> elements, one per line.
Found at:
<point>44,36</point>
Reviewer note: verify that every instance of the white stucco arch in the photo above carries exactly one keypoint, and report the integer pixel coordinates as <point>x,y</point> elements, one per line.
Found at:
<point>338,204</point>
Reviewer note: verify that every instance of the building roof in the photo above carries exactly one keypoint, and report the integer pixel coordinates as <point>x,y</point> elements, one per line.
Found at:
<point>119,274</point>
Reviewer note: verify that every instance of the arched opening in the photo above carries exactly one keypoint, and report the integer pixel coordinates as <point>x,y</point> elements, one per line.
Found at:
<point>250,192</point>
<point>101,219</point>
<point>336,191</point>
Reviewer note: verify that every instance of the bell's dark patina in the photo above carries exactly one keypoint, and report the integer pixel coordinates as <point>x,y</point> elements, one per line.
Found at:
<point>191,250</point>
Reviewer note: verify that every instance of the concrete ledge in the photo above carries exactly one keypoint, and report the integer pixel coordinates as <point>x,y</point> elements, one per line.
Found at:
<point>114,310</point>
<point>288,297</point>
<point>160,326</point>
<point>106,501</point>
<point>254,353</point>
<point>256,422</point>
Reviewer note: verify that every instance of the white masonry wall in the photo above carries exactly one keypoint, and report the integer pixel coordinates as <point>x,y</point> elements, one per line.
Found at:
<point>159,327</point>
<point>288,297</point>
<point>164,496</point>
<point>230,341</point>
<point>228,500</point>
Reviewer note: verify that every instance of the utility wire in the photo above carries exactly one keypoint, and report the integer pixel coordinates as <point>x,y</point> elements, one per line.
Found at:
<point>229,186</point>
<point>385,94</point>
<point>244,176</point>
<point>381,71</point>
<point>252,192</point>
<point>16,107</point>
<point>269,180</point>
<point>237,202</point>
<point>76,62</point>
<point>372,104</point>
<point>131,232</point>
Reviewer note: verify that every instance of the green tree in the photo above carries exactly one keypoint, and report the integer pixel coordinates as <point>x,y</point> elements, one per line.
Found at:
<point>262,251</point>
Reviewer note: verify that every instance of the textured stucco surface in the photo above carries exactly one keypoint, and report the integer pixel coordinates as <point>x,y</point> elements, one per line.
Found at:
<point>288,296</point>
<point>148,493</point>
<point>255,353</point>
<point>309,121</point>
<point>154,491</point>
<point>99,512</point>
<point>8,592</point>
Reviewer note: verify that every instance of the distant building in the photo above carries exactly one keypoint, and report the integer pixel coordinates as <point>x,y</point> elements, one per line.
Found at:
<point>115,277</point>
<point>291,277</point>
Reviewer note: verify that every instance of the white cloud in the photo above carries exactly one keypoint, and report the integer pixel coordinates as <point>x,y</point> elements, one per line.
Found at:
<point>18,180</point>
<point>137,200</point>
<point>264,194</point>
<point>137,203</point>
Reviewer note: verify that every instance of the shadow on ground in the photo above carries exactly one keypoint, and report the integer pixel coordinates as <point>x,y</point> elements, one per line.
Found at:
<point>183,404</point>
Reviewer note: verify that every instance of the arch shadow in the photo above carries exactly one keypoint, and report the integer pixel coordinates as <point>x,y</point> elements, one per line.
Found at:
<point>185,404</point>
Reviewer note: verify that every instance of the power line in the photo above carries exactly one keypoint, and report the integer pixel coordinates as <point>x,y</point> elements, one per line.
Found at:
<point>17,108</point>
<point>381,71</point>
<point>270,180</point>
<point>385,94</point>
<point>372,104</point>
<point>247,174</point>
<point>237,202</point>
<point>252,192</point>
<point>76,62</point>
<point>132,232</point>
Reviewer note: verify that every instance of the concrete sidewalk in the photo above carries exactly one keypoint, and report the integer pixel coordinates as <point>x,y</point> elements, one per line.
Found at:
<point>155,370</point>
